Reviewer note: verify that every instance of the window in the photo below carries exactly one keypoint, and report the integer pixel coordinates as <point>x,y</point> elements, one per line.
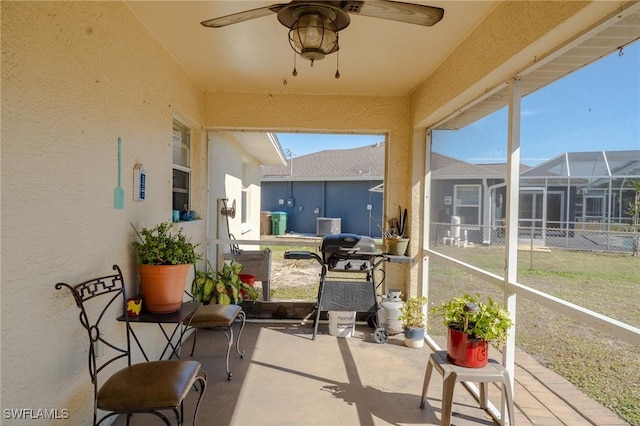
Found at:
<point>594,208</point>
<point>467,203</point>
<point>245,201</point>
<point>181,166</point>
<point>245,195</point>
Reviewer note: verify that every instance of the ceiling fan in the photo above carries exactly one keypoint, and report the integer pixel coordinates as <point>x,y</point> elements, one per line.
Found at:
<point>314,25</point>
<point>288,13</point>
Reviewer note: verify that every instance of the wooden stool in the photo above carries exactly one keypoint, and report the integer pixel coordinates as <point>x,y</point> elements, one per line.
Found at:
<point>493,372</point>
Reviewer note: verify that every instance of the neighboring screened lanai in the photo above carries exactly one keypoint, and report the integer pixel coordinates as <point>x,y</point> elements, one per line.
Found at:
<point>581,190</point>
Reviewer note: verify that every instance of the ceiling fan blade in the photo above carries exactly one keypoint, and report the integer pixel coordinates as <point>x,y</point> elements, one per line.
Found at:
<point>409,13</point>
<point>246,15</point>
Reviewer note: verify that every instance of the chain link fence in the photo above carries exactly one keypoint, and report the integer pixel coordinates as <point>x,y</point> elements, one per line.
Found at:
<point>578,236</point>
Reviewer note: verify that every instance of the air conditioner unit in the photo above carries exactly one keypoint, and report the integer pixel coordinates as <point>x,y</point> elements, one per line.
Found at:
<point>328,226</point>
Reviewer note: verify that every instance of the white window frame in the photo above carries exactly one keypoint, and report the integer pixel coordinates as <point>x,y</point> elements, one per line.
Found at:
<point>245,201</point>
<point>457,204</point>
<point>179,131</point>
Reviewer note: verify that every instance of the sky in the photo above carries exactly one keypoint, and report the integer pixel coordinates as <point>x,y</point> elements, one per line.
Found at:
<point>305,143</point>
<point>596,108</point>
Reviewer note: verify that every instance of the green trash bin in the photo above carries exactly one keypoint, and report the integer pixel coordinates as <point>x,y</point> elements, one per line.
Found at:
<point>279,222</point>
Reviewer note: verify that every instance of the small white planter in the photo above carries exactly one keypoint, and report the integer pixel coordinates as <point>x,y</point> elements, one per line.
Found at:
<point>414,337</point>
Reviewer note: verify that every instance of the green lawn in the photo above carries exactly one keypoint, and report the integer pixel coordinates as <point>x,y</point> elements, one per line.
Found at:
<point>604,368</point>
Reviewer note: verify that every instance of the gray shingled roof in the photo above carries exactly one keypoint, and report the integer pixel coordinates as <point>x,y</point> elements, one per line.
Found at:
<point>367,163</point>
<point>364,163</point>
<point>456,169</point>
<point>449,168</point>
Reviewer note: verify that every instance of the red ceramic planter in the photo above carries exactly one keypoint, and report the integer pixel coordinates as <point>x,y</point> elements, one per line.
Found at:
<point>466,352</point>
<point>249,280</point>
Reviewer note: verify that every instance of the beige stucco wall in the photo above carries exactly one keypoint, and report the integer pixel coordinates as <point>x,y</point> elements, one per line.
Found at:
<point>227,155</point>
<point>75,76</point>
<point>388,115</point>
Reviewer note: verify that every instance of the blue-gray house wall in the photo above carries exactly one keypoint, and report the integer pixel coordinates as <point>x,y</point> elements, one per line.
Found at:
<point>557,216</point>
<point>305,201</point>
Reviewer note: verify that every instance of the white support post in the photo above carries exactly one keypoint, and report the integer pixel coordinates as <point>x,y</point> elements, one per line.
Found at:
<point>486,212</point>
<point>426,215</point>
<point>511,235</point>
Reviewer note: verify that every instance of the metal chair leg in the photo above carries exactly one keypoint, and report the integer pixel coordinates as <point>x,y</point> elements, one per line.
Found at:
<point>202,378</point>
<point>242,316</point>
<point>229,336</point>
<point>195,335</point>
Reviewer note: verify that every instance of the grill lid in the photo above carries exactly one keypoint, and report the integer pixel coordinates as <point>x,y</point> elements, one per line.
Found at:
<point>348,246</point>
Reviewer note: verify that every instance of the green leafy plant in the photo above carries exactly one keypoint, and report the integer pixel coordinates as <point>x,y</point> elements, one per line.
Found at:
<point>412,313</point>
<point>223,287</point>
<point>203,284</point>
<point>160,246</point>
<point>633,210</point>
<point>488,321</point>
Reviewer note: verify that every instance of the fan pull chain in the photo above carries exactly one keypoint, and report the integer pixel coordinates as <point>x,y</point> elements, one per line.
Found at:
<point>295,71</point>
<point>337,64</point>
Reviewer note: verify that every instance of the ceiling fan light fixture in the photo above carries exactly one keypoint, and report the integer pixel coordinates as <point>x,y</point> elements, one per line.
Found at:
<point>313,36</point>
<point>314,24</point>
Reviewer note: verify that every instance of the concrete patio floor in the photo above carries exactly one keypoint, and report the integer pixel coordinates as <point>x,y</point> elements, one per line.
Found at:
<point>286,378</point>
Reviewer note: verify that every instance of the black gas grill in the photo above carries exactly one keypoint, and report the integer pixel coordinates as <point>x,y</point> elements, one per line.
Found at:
<point>348,253</point>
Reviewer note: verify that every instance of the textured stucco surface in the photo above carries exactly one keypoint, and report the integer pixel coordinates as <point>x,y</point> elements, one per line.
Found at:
<point>75,76</point>
<point>238,164</point>
<point>312,113</point>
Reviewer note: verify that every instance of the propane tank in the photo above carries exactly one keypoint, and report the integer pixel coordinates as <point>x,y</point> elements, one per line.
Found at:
<point>390,311</point>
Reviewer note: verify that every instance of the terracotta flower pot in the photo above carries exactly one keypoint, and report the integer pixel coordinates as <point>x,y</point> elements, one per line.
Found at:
<point>466,352</point>
<point>162,287</point>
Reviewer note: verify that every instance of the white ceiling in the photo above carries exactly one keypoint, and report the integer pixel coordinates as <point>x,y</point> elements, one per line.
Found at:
<point>376,56</point>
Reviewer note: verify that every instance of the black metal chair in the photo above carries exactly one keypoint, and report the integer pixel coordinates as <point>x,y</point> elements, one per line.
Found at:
<point>148,387</point>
